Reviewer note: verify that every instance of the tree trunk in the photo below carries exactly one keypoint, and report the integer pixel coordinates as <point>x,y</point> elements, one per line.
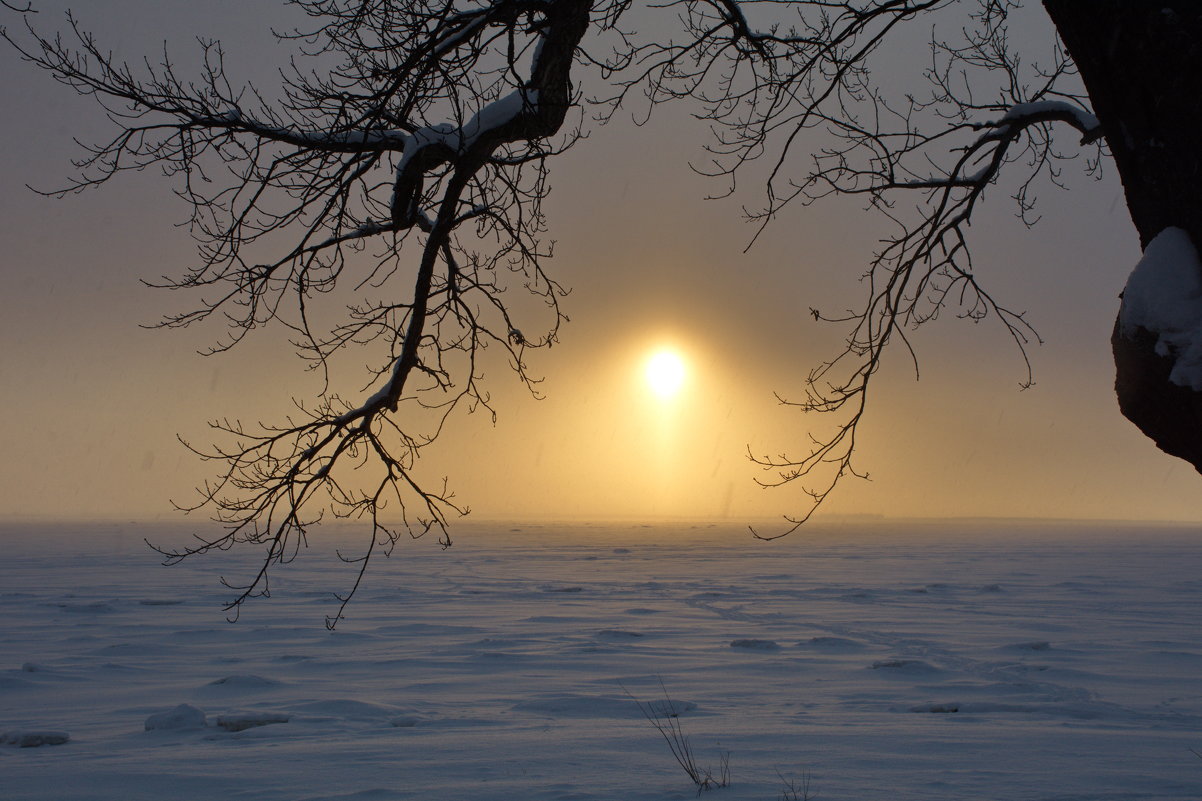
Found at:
<point>1141,63</point>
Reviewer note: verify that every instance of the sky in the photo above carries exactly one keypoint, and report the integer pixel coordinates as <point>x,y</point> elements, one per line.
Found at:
<point>95,401</point>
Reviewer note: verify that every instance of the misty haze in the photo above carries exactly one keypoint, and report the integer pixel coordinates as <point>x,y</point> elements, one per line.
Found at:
<point>581,399</point>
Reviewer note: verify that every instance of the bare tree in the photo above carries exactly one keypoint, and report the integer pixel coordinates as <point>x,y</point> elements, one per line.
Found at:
<point>409,161</point>
<point>419,156</point>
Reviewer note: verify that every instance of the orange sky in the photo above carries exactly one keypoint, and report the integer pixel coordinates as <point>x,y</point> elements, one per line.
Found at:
<point>94,402</point>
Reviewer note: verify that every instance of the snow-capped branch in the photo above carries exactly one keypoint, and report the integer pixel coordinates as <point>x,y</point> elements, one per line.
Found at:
<point>1022,115</point>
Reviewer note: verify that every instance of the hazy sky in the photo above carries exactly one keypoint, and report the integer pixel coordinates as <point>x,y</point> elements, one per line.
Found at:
<point>93,402</point>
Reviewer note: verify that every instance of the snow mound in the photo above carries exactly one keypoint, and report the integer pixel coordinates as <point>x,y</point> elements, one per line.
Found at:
<point>756,645</point>
<point>86,607</point>
<point>938,709</point>
<point>184,716</point>
<point>345,708</point>
<point>239,721</point>
<point>619,634</point>
<point>33,739</point>
<point>1164,296</point>
<point>834,643</point>
<point>243,680</point>
<point>905,665</point>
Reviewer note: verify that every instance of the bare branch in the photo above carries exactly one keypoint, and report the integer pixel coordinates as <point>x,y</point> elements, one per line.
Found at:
<point>433,123</point>
<point>407,172</point>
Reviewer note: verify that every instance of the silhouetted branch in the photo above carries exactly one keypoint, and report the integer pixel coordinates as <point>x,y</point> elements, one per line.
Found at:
<point>406,176</point>
<point>433,123</point>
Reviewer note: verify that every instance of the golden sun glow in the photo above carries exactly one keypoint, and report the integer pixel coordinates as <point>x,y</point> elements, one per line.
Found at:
<point>665,373</point>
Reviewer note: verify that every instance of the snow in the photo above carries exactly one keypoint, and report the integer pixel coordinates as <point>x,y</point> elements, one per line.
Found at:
<point>498,113</point>
<point>1083,120</point>
<point>1164,296</point>
<point>239,721</point>
<point>907,661</point>
<point>184,716</point>
<point>488,118</point>
<point>33,739</point>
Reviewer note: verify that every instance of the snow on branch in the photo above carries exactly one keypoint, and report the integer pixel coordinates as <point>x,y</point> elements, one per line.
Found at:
<point>1024,114</point>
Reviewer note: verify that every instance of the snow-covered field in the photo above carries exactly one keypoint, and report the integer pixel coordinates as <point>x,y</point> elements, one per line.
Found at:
<point>885,661</point>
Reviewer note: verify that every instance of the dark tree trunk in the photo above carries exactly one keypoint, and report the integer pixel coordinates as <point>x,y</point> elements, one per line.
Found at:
<point>1141,63</point>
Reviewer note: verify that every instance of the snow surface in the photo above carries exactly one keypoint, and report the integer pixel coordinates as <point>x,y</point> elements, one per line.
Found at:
<point>1164,296</point>
<point>888,661</point>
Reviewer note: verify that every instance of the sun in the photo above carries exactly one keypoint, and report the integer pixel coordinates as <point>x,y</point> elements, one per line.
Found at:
<point>665,373</point>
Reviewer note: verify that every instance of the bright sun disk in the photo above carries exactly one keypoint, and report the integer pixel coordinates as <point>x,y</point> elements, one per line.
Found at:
<point>665,373</point>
